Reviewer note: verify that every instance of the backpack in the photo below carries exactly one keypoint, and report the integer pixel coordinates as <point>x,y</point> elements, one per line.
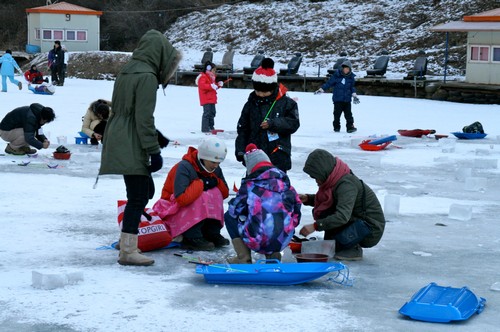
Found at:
<point>476,128</point>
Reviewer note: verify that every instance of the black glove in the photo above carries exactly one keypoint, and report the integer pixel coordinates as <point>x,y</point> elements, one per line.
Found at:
<point>156,163</point>
<point>162,140</point>
<point>209,183</point>
<point>239,157</point>
<point>355,100</point>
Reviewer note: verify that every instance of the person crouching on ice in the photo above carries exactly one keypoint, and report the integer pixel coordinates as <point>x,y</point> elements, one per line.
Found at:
<point>345,208</point>
<point>191,202</point>
<point>263,215</point>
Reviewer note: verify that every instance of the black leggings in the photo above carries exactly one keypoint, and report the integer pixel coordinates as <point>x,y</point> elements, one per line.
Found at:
<point>140,189</point>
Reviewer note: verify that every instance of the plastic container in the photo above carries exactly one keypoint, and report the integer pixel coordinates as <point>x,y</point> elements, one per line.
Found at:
<point>469,135</point>
<point>296,247</point>
<point>62,156</point>
<point>434,303</point>
<point>325,247</point>
<point>309,258</point>
<point>32,49</point>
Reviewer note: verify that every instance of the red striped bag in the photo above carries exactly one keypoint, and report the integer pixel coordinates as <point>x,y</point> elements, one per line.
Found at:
<point>153,234</point>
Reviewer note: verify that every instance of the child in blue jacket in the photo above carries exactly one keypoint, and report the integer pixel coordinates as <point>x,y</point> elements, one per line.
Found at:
<point>342,82</point>
<point>7,70</point>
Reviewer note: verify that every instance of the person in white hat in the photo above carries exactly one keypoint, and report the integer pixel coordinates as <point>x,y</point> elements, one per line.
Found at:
<point>191,202</point>
<point>263,215</point>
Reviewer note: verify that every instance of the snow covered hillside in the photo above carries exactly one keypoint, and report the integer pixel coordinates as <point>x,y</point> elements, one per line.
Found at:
<point>320,30</point>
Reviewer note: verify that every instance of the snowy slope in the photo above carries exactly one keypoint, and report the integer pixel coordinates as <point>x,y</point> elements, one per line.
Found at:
<point>320,30</point>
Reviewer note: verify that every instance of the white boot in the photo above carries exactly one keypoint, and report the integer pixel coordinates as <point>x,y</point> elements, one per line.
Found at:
<point>129,254</point>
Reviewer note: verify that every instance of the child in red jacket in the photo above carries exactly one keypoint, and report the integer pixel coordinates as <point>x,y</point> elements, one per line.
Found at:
<point>207,89</point>
<point>34,76</point>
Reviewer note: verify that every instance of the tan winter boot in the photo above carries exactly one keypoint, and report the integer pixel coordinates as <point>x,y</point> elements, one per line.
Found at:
<point>243,255</point>
<point>129,254</point>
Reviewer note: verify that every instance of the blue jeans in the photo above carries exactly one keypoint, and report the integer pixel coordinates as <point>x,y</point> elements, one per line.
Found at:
<point>4,82</point>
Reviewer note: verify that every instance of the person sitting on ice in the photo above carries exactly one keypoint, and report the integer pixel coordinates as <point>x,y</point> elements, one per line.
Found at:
<point>345,208</point>
<point>34,76</point>
<point>191,202</point>
<point>263,215</point>
<point>42,89</point>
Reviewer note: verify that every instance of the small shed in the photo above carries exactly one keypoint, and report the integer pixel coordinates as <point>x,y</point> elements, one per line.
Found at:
<point>483,45</point>
<point>75,26</point>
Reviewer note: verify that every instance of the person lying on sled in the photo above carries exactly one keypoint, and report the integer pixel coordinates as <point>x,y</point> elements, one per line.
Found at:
<point>42,89</point>
<point>191,202</point>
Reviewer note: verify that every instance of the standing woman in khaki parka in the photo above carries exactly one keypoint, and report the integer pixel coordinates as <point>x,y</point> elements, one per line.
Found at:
<point>345,208</point>
<point>130,145</point>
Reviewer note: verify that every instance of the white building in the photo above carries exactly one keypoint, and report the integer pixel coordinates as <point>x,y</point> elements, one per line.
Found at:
<point>75,26</point>
<point>483,45</point>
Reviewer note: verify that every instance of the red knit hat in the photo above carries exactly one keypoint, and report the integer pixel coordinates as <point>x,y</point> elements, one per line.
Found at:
<point>265,78</point>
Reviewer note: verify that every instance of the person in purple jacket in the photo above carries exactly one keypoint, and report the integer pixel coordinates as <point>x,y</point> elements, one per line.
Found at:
<point>263,215</point>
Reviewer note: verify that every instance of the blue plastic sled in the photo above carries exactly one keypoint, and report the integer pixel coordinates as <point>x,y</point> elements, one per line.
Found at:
<point>439,304</point>
<point>272,273</point>
<point>383,140</point>
<point>461,135</point>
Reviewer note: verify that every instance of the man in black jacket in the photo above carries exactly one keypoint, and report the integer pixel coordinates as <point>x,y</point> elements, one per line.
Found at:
<point>268,119</point>
<point>22,127</point>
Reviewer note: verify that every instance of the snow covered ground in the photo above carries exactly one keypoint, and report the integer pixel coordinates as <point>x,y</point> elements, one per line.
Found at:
<point>53,222</point>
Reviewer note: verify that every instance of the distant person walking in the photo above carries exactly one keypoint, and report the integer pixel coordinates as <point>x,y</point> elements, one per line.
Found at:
<point>342,81</point>
<point>8,64</point>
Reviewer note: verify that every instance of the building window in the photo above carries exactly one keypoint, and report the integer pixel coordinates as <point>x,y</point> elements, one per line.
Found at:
<point>37,34</point>
<point>76,35</point>
<point>58,34</point>
<point>495,54</point>
<point>47,34</point>
<point>479,53</point>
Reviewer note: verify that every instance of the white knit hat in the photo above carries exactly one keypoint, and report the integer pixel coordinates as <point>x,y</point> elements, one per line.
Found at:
<point>212,149</point>
<point>255,157</point>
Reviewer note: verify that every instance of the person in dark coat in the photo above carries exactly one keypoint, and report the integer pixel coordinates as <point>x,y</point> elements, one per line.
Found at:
<point>130,145</point>
<point>22,127</point>
<point>345,207</point>
<point>342,81</point>
<point>268,118</point>
<point>56,66</point>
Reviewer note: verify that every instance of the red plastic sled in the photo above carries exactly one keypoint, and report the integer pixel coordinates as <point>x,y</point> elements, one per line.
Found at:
<point>416,132</point>
<point>365,145</point>
<point>216,131</point>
